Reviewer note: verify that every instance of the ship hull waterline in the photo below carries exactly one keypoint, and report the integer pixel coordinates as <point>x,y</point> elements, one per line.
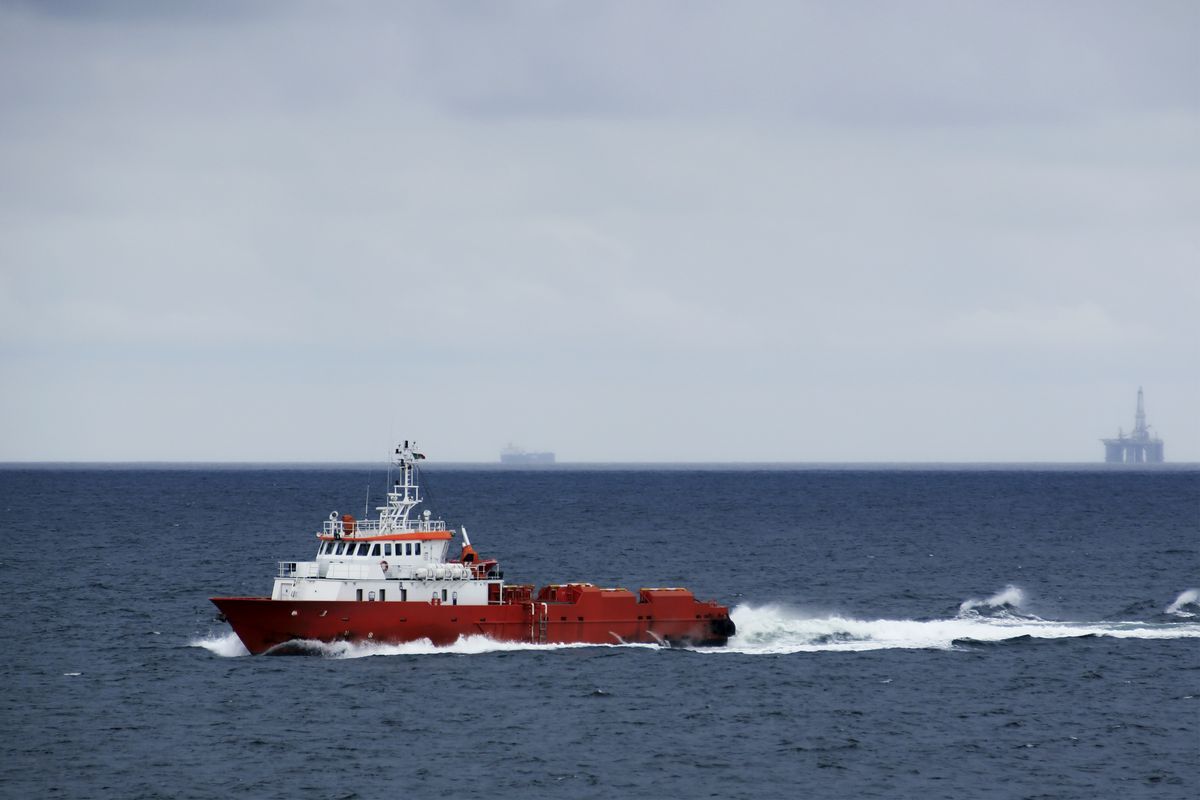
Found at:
<point>267,625</point>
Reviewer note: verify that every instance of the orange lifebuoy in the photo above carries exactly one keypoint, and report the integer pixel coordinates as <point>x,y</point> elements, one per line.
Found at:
<point>383,565</point>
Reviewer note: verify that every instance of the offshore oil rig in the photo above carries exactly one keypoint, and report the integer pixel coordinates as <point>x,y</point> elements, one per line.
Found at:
<point>1139,447</point>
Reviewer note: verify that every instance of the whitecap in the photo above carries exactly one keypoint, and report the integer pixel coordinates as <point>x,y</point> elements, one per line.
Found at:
<point>1010,597</point>
<point>1190,597</point>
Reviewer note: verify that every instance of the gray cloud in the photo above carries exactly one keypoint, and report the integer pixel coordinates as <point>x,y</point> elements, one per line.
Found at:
<point>922,231</point>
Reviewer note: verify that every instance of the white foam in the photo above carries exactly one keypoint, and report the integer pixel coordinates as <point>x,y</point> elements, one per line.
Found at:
<point>776,629</point>
<point>1190,597</point>
<point>227,645</point>
<point>230,646</point>
<point>466,645</point>
<point>1008,597</point>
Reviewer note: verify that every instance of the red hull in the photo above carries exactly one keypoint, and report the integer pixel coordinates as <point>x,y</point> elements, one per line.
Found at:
<point>567,614</point>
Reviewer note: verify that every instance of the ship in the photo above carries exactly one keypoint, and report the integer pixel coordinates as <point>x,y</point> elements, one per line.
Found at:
<point>514,455</point>
<point>392,580</point>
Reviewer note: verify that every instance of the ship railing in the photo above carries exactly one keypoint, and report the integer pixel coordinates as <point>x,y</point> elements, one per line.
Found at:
<point>299,569</point>
<point>372,527</point>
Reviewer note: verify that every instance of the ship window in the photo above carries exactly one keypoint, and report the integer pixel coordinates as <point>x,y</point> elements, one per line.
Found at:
<point>341,548</point>
<point>408,549</point>
<point>363,547</point>
<point>417,549</point>
<point>387,549</point>
<point>375,549</point>
<point>328,548</point>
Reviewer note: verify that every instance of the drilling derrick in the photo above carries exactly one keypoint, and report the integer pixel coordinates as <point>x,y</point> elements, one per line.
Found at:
<point>1138,447</point>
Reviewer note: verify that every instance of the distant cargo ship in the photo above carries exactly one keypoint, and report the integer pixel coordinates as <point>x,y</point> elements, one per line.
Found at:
<point>515,455</point>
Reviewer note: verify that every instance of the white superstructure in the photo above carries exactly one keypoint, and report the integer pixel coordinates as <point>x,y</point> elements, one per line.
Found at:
<point>391,558</point>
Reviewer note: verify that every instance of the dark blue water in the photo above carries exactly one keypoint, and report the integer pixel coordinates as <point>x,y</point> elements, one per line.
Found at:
<point>940,633</point>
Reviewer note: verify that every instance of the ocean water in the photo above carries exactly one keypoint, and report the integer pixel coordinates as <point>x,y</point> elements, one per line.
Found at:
<point>1025,633</point>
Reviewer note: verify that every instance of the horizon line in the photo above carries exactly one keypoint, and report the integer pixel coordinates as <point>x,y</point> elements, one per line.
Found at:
<point>355,463</point>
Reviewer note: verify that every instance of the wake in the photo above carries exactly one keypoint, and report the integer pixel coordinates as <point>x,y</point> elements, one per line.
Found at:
<point>775,629</point>
<point>778,629</point>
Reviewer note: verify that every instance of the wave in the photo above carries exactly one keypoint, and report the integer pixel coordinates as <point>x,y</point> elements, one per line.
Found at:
<point>1189,598</point>
<point>1007,600</point>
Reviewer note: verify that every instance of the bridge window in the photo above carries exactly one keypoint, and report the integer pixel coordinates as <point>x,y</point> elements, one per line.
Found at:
<point>387,549</point>
<point>363,547</point>
<point>417,549</point>
<point>341,548</point>
<point>375,549</point>
<point>408,548</point>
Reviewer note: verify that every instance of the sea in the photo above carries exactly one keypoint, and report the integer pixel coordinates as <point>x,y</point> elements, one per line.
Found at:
<point>991,631</point>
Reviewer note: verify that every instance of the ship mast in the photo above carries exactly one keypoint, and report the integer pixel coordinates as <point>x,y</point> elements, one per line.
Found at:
<point>404,494</point>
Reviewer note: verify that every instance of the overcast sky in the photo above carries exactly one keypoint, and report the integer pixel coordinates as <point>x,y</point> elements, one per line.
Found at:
<point>644,231</point>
